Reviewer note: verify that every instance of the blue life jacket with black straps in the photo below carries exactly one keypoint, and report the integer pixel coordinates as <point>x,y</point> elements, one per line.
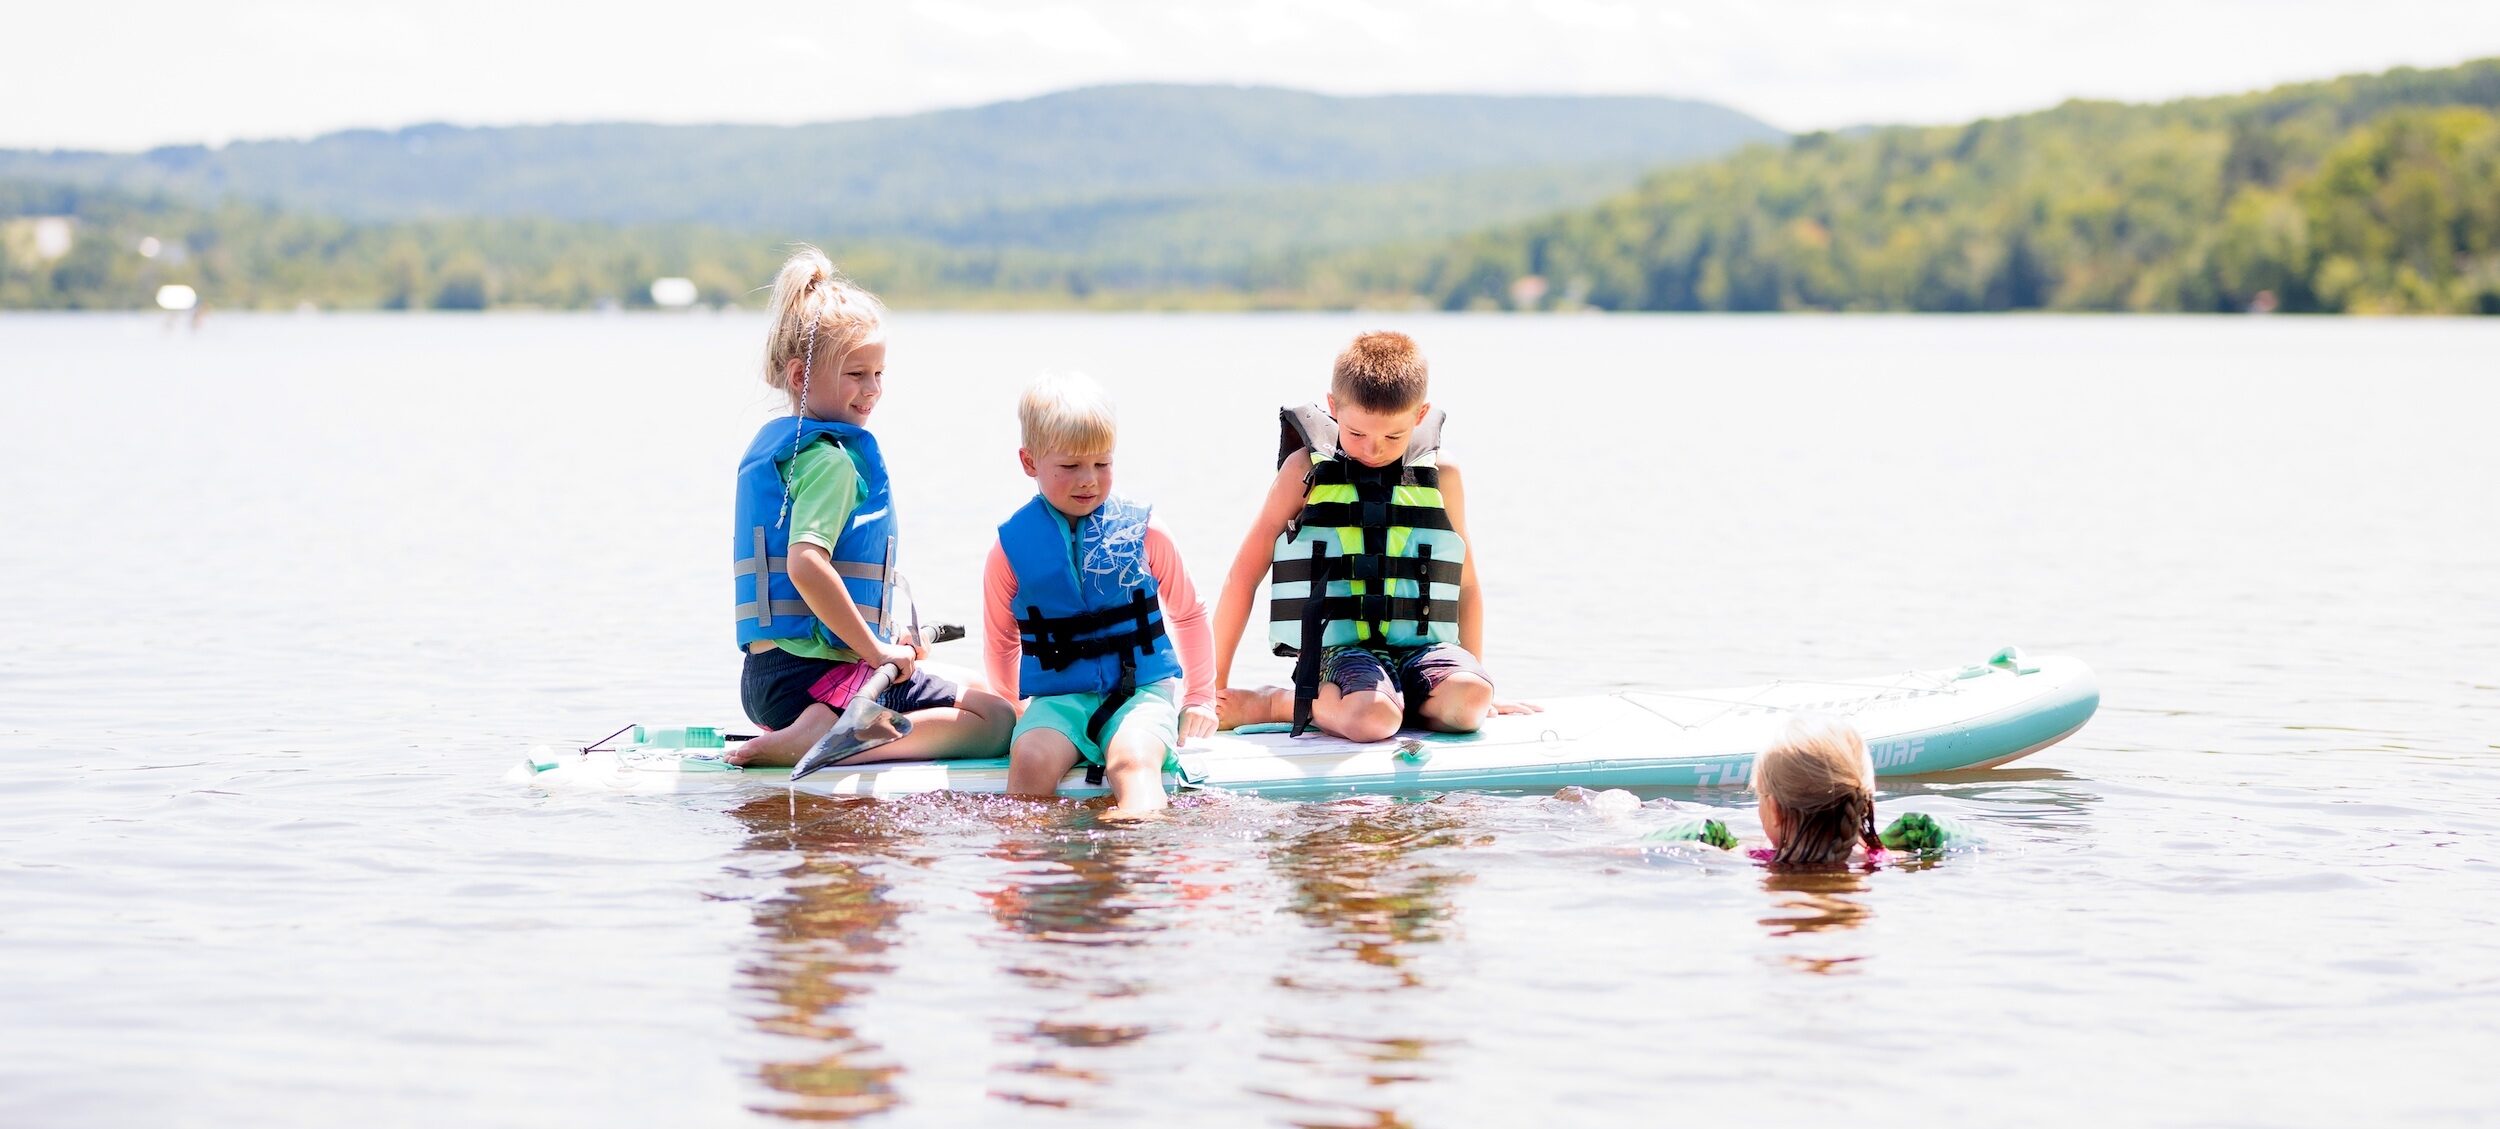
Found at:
<point>1091,619</point>
<point>769,605</point>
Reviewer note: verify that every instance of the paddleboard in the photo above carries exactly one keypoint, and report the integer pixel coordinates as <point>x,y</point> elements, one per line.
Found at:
<point>1915,723</point>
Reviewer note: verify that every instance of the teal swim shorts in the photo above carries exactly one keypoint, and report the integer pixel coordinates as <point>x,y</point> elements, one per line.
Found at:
<point>1155,707</point>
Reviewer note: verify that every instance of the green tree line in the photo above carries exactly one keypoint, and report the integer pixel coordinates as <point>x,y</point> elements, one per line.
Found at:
<point>250,256</point>
<point>2365,194</point>
<point>2372,194</point>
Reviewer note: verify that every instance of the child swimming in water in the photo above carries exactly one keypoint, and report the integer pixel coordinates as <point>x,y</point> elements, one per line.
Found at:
<point>1815,790</point>
<point>815,543</point>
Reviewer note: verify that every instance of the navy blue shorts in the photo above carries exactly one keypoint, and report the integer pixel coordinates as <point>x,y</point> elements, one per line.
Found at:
<point>1408,674</point>
<point>778,686</point>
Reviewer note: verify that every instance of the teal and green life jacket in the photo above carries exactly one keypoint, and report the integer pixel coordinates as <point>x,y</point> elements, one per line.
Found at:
<point>1371,559</point>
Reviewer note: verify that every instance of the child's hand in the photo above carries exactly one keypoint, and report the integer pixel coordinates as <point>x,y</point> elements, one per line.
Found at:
<point>905,659</point>
<point>1500,708</point>
<point>1196,722</point>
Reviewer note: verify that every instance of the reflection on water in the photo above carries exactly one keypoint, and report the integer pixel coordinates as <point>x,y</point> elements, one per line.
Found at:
<point>1072,889</point>
<point>1354,873</point>
<point>1358,870</point>
<point>824,945</point>
<point>1304,942</point>
<point>1360,1067</point>
<point>1819,903</point>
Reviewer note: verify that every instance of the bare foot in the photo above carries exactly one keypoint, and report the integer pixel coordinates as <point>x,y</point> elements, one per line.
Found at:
<point>1124,815</point>
<point>781,748</point>
<point>773,749</point>
<point>1237,708</point>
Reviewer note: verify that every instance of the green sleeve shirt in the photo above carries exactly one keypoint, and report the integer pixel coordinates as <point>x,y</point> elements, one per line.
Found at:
<point>824,489</point>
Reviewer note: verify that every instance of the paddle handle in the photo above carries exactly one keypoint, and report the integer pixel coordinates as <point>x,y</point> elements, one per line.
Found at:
<point>877,684</point>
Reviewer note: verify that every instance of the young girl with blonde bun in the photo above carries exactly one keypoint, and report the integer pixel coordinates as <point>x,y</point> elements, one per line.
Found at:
<point>1815,791</point>
<point>816,541</point>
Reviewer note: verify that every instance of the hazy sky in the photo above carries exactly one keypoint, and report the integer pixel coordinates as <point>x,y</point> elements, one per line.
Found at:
<point>146,72</point>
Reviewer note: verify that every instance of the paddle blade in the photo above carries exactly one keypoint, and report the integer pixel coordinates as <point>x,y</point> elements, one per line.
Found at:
<point>862,727</point>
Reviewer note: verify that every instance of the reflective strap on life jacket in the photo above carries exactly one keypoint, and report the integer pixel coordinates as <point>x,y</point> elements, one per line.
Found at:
<point>851,570</point>
<point>868,613</point>
<point>763,567</point>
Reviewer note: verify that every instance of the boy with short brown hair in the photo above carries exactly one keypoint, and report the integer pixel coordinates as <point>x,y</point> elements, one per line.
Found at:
<point>1364,537</point>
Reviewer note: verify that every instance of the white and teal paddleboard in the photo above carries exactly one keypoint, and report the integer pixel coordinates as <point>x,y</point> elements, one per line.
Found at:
<point>1915,723</point>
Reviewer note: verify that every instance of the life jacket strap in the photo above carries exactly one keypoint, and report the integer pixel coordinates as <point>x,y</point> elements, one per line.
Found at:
<point>763,612</point>
<point>1306,666</point>
<point>1112,700</point>
<point>1344,472</point>
<point>1369,516</point>
<point>1423,615</point>
<point>763,566</point>
<point>848,570</point>
<point>1059,642</point>
<point>763,571</point>
<point>1373,608</point>
<point>1370,568</point>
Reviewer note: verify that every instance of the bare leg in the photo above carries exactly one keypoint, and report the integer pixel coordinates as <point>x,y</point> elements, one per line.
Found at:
<point>977,726</point>
<point>1365,715</point>
<point>1458,704</point>
<point>1038,761</point>
<point>1133,764</point>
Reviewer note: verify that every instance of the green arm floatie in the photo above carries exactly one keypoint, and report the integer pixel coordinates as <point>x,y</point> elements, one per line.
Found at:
<point>1918,831</point>
<point>1707,831</point>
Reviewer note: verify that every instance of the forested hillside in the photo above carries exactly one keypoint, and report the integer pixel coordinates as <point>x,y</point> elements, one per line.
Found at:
<point>1114,195</point>
<point>2363,194</point>
<point>2377,193</point>
<point>1042,172</point>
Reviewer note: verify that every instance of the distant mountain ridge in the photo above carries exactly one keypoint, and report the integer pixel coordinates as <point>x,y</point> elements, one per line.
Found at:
<point>1014,174</point>
<point>2368,193</point>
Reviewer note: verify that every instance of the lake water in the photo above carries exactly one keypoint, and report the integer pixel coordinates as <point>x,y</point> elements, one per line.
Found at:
<point>281,600</point>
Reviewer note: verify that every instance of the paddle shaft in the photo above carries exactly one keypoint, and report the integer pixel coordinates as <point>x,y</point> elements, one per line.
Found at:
<point>878,683</point>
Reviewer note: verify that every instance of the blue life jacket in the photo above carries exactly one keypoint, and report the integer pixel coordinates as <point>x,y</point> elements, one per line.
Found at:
<point>1086,630</point>
<point>769,605</point>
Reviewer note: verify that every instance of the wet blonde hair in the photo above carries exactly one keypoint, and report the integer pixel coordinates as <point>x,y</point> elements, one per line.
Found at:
<point>1820,778</point>
<point>1066,413</point>
<point>818,317</point>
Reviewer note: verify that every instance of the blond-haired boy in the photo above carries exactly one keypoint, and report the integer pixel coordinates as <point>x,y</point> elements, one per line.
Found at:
<point>1364,536</point>
<point>1080,590</point>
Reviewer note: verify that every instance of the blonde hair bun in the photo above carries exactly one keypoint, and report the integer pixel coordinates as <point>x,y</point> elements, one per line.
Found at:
<point>818,316</point>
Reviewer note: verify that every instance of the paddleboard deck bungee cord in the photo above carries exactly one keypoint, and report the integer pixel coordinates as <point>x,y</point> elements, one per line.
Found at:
<point>1915,723</point>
